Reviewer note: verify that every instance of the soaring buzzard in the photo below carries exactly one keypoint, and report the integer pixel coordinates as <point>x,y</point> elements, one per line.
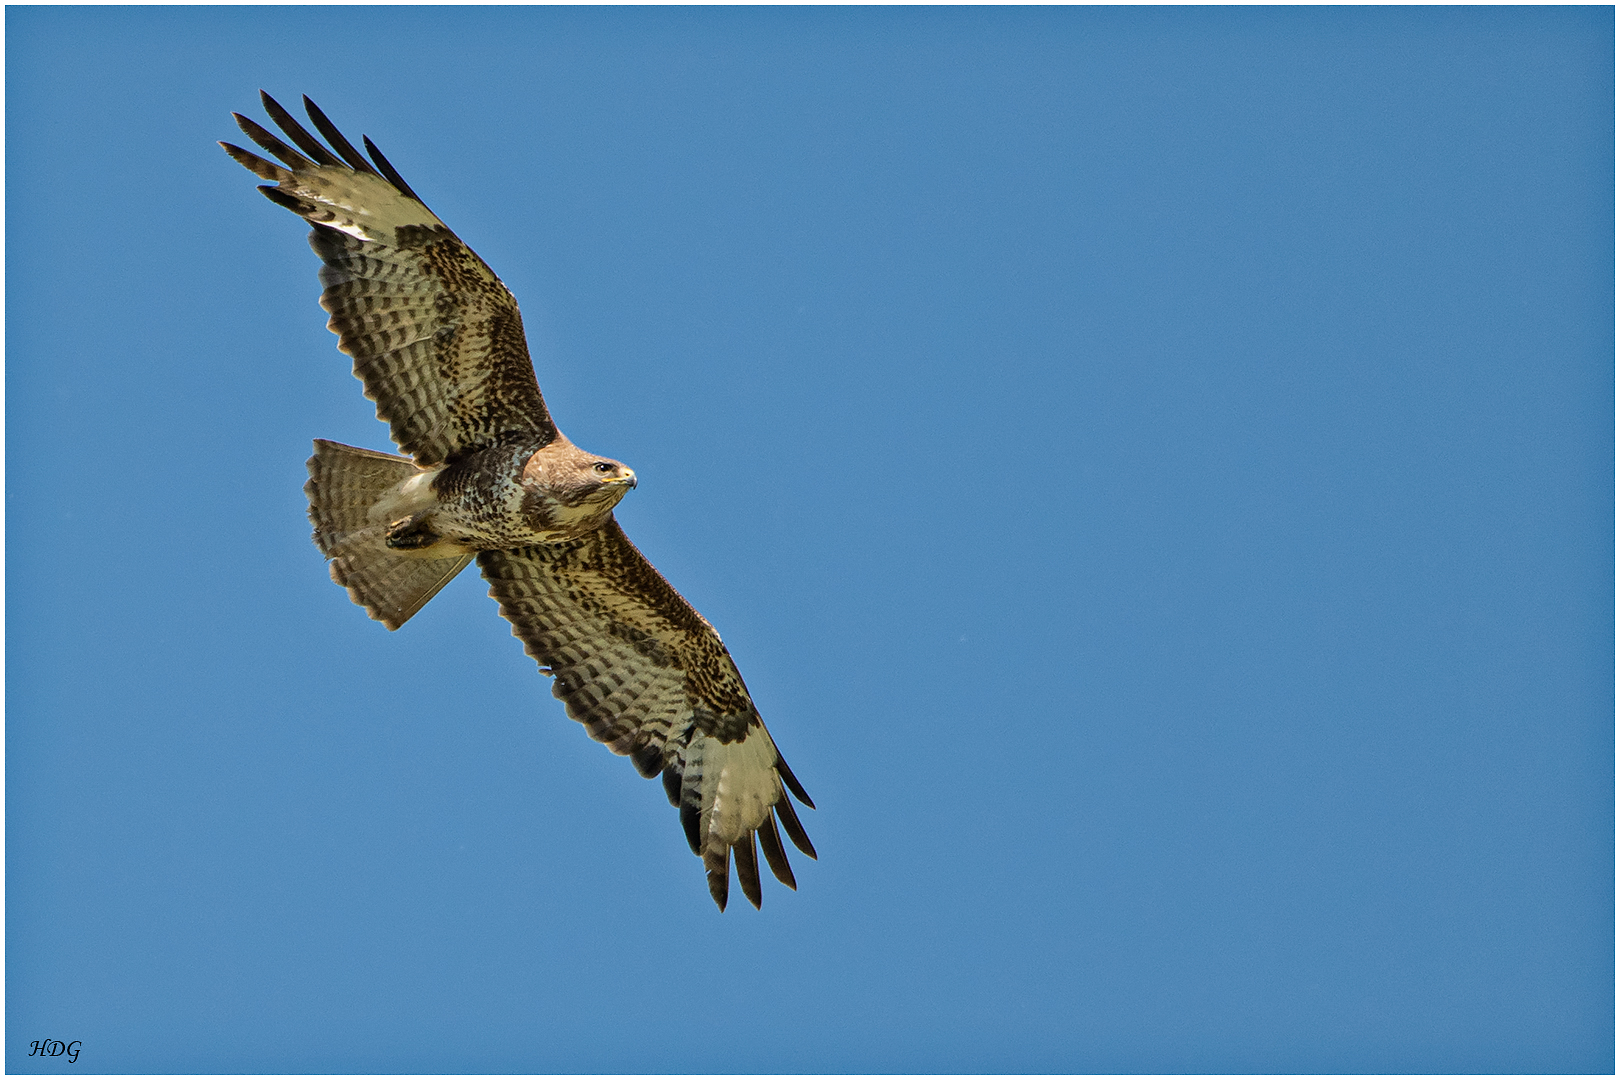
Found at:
<point>437,341</point>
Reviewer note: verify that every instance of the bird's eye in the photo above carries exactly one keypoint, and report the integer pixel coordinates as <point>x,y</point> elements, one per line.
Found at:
<point>603,467</point>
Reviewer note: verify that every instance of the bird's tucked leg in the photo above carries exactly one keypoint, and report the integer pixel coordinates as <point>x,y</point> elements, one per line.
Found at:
<point>411,533</point>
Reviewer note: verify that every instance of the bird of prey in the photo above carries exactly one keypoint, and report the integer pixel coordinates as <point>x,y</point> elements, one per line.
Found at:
<point>438,344</point>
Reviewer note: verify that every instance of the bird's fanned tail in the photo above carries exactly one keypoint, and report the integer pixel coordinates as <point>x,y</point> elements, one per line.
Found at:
<point>345,483</point>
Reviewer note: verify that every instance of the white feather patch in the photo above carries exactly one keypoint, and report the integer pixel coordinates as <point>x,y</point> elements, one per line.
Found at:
<point>739,785</point>
<point>367,207</point>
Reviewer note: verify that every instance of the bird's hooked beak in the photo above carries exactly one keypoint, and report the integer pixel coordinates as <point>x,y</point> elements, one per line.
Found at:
<point>628,480</point>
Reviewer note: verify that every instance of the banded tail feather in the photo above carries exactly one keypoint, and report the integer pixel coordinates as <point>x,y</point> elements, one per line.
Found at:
<point>345,484</point>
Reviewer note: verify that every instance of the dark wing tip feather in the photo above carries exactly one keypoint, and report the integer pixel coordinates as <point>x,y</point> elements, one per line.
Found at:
<point>389,172</point>
<point>282,152</point>
<point>306,142</point>
<point>689,822</point>
<point>748,868</point>
<point>720,881</point>
<point>335,137</point>
<point>672,785</point>
<point>792,782</point>
<point>771,844</point>
<point>301,207</point>
<point>254,164</point>
<point>795,831</point>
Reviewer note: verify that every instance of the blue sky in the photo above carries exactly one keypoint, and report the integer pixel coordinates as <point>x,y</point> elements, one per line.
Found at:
<point>1153,467</point>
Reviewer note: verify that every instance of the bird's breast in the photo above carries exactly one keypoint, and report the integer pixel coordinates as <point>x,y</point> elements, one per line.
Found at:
<point>555,519</point>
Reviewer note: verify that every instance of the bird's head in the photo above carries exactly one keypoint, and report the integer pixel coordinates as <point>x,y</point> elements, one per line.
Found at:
<point>609,480</point>
<point>570,491</point>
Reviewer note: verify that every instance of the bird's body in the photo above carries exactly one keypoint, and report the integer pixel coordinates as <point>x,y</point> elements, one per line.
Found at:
<point>438,342</point>
<point>502,497</point>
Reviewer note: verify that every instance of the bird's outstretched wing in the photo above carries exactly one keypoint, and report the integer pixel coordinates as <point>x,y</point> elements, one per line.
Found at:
<point>648,676</point>
<point>436,338</point>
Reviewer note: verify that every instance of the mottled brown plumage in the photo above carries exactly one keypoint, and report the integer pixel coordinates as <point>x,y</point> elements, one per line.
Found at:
<point>438,343</point>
